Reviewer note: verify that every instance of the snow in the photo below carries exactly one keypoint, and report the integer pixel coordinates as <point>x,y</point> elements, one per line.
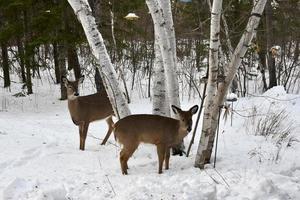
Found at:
<point>40,156</point>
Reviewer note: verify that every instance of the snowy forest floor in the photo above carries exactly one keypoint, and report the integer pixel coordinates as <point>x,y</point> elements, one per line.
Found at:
<point>40,156</point>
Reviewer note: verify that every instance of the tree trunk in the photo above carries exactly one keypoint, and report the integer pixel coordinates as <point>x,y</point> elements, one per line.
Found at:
<point>56,65</point>
<point>21,57</point>
<point>208,118</point>
<point>216,99</point>
<point>160,105</point>
<point>62,69</point>
<point>270,43</point>
<point>164,31</point>
<point>73,62</point>
<point>107,72</point>
<point>5,64</point>
<point>27,55</point>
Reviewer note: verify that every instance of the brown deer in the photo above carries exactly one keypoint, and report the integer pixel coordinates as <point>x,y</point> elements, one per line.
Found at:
<point>86,109</point>
<point>164,132</point>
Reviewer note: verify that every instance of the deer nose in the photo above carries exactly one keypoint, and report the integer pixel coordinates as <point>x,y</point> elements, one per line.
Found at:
<point>189,129</point>
<point>76,94</point>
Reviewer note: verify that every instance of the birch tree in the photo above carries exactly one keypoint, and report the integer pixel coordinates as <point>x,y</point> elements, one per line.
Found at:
<point>165,36</point>
<point>108,74</point>
<point>216,95</point>
<point>160,104</point>
<point>160,26</point>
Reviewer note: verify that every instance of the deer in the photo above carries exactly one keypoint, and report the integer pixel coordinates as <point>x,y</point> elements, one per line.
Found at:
<point>87,109</point>
<point>164,132</point>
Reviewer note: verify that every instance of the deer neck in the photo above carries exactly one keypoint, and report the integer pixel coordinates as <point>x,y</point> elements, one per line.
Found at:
<point>182,130</point>
<point>73,107</point>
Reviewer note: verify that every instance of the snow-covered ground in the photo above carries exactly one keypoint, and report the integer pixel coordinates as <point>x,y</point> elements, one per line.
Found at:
<point>40,156</point>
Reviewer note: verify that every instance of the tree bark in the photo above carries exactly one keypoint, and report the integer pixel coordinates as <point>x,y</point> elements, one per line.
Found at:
<point>208,118</point>
<point>270,43</point>
<point>28,53</point>
<point>62,68</point>
<point>73,61</point>
<point>56,65</point>
<point>164,31</point>
<point>84,14</point>
<point>160,105</point>
<point>214,101</point>
<point>5,64</point>
<point>21,57</point>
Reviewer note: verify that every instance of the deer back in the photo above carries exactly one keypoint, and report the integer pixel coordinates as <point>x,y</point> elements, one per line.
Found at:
<point>90,108</point>
<point>153,129</point>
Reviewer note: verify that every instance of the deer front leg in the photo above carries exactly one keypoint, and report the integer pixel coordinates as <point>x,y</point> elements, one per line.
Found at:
<point>161,151</point>
<point>110,124</point>
<point>167,158</point>
<point>83,128</point>
<point>81,146</point>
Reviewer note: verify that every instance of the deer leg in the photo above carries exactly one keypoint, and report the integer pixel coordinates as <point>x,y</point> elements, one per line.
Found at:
<point>161,151</point>
<point>83,135</point>
<point>110,124</point>
<point>123,162</point>
<point>167,158</point>
<point>81,145</point>
<point>125,154</point>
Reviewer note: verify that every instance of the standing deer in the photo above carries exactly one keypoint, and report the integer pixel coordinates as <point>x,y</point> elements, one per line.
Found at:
<point>164,132</point>
<point>86,109</point>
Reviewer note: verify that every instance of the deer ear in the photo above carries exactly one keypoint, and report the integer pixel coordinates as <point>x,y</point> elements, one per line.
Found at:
<point>80,80</point>
<point>194,109</point>
<point>175,109</point>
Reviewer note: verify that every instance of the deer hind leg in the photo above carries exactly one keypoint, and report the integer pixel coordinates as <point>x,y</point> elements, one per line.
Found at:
<point>161,152</point>
<point>125,154</point>
<point>167,158</point>
<point>83,128</point>
<point>110,124</point>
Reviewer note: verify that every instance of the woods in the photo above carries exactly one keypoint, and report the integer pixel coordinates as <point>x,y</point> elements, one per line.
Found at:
<point>145,63</point>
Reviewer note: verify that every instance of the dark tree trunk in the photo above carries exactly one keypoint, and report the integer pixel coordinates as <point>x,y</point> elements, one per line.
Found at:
<point>262,57</point>
<point>21,57</point>
<point>62,69</point>
<point>56,65</point>
<point>28,53</point>
<point>73,62</point>
<point>5,64</point>
<point>270,43</point>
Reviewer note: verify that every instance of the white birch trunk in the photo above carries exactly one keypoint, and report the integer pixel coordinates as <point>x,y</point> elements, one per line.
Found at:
<point>208,132</point>
<point>167,11</point>
<point>208,118</point>
<point>159,97</point>
<point>164,31</point>
<point>166,51</point>
<point>84,14</point>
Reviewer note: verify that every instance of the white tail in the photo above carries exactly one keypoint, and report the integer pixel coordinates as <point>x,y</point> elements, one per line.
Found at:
<point>86,109</point>
<point>164,132</point>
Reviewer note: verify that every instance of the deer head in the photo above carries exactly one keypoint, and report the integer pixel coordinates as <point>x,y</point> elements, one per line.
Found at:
<point>72,87</point>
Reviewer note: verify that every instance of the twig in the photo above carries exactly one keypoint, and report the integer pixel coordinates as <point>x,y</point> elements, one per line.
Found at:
<point>102,140</point>
<point>222,177</point>
<point>112,188</point>
<point>216,148</point>
<point>197,122</point>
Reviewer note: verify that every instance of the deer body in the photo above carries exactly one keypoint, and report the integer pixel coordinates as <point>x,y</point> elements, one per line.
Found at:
<point>164,132</point>
<point>87,109</point>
